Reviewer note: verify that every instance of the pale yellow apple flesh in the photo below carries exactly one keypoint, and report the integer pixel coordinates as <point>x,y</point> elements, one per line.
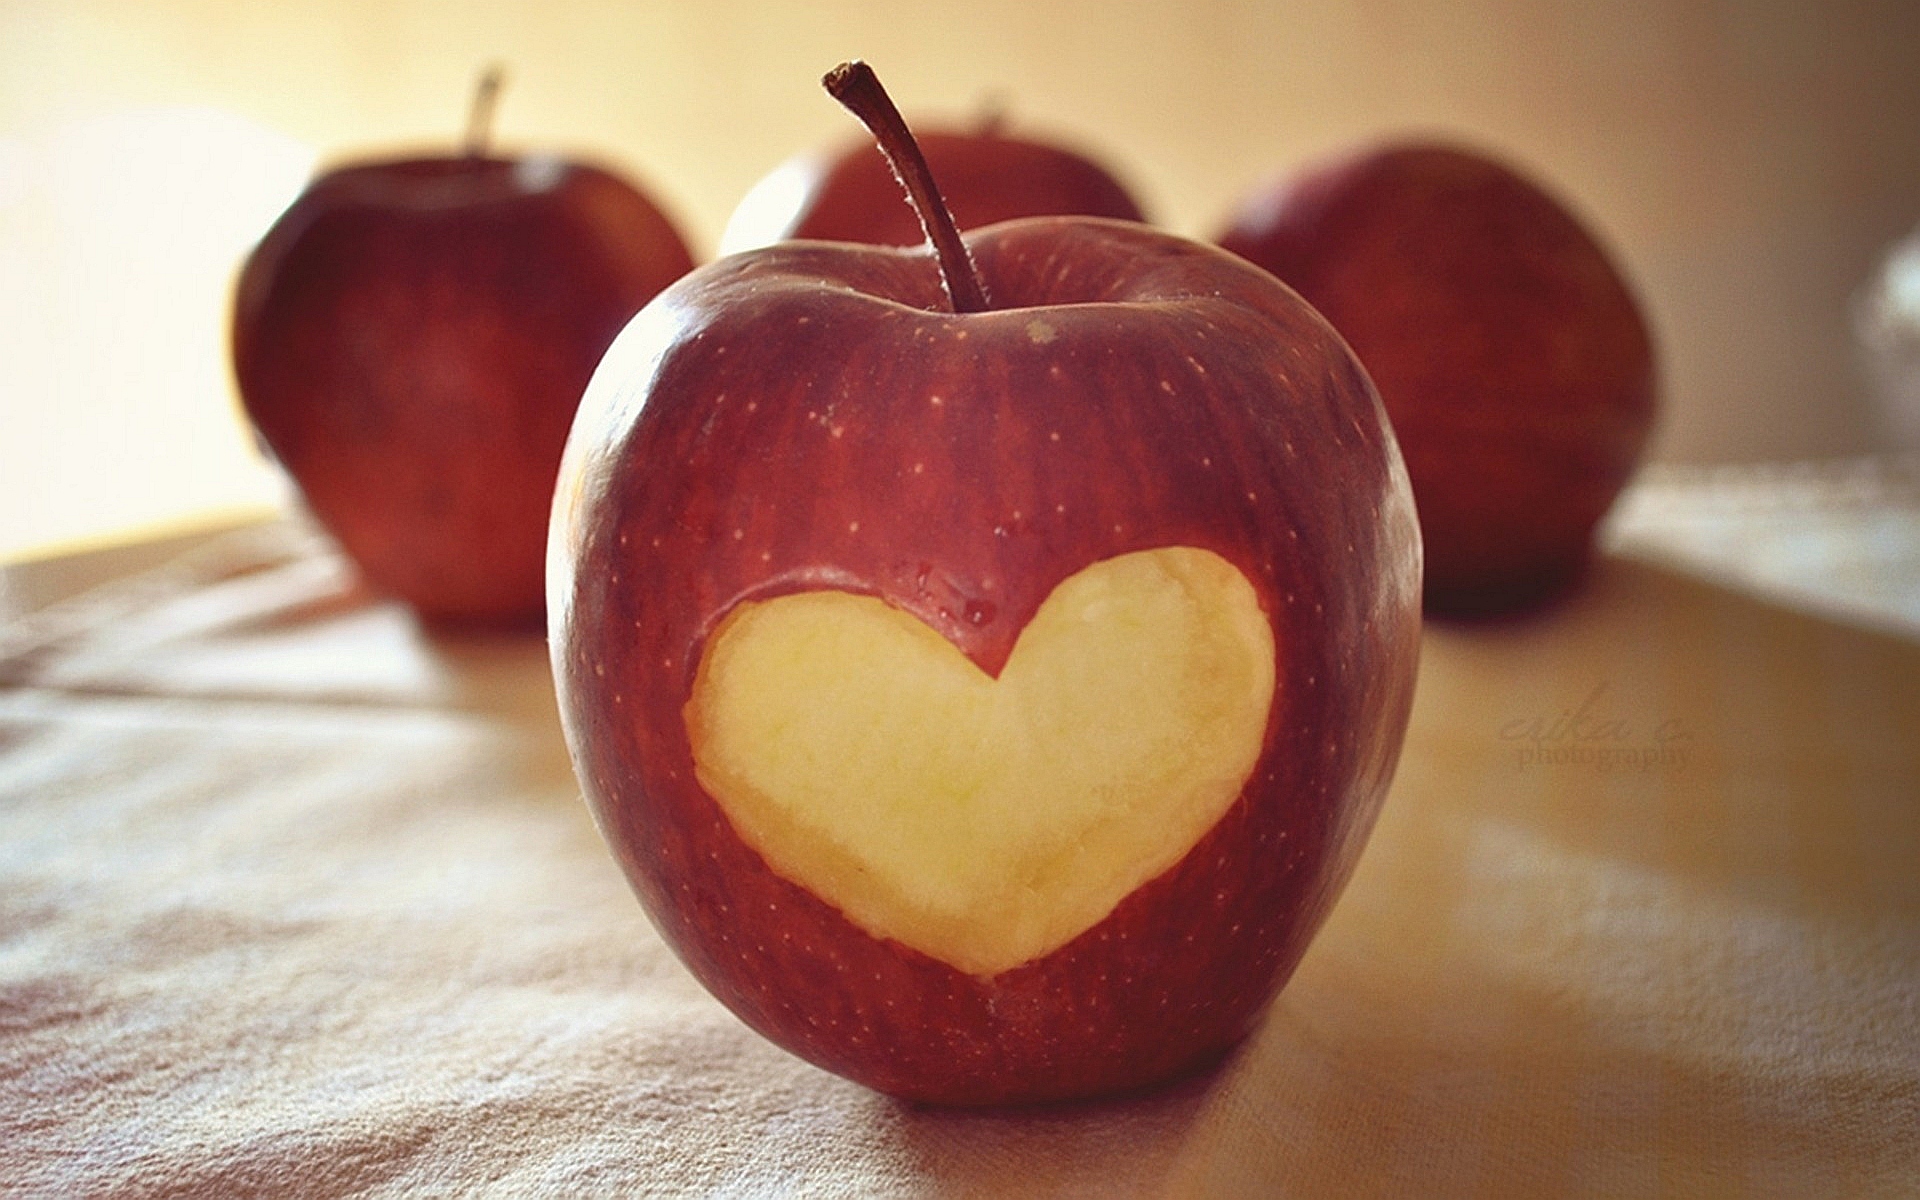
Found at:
<point>987,822</point>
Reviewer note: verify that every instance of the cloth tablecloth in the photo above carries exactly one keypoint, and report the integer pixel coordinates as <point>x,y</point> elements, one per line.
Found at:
<point>296,898</point>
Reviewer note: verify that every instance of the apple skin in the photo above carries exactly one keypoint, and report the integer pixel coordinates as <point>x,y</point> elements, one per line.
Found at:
<point>1510,351</point>
<point>411,338</point>
<point>986,176</point>
<point>768,425</point>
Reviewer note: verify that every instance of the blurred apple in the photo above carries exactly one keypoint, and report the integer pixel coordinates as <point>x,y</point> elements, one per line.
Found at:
<point>849,194</point>
<point>411,339</point>
<point>1511,354</point>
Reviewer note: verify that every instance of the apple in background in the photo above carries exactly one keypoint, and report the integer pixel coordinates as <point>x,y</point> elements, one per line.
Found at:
<point>986,681</point>
<point>411,339</point>
<point>1509,350</point>
<point>849,194</point>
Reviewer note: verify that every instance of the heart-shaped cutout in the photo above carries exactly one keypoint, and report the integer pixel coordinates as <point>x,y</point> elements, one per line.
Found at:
<point>987,822</point>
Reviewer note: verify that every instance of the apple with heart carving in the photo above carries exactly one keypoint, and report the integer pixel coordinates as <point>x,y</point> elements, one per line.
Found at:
<point>985,662</point>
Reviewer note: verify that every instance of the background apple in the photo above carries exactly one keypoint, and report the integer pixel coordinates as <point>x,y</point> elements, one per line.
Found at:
<point>411,339</point>
<point>850,194</point>
<point>986,682</point>
<point>1510,352</point>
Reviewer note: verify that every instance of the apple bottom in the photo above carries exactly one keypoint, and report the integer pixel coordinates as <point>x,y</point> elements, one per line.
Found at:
<point>1471,594</point>
<point>1507,521</point>
<point>1170,981</point>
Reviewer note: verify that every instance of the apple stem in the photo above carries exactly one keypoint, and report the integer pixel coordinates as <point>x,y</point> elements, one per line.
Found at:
<point>486,93</point>
<point>856,87</point>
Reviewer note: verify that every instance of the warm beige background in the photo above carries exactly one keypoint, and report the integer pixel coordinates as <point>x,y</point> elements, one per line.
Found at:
<point>1751,161</point>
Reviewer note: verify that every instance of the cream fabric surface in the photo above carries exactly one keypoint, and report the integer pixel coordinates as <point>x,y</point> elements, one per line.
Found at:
<point>296,899</point>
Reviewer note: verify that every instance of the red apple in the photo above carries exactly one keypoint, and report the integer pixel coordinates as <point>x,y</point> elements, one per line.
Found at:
<point>986,681</point>
<point>849,194</point>
<point>411,339</point>
<point>1509,349</point>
